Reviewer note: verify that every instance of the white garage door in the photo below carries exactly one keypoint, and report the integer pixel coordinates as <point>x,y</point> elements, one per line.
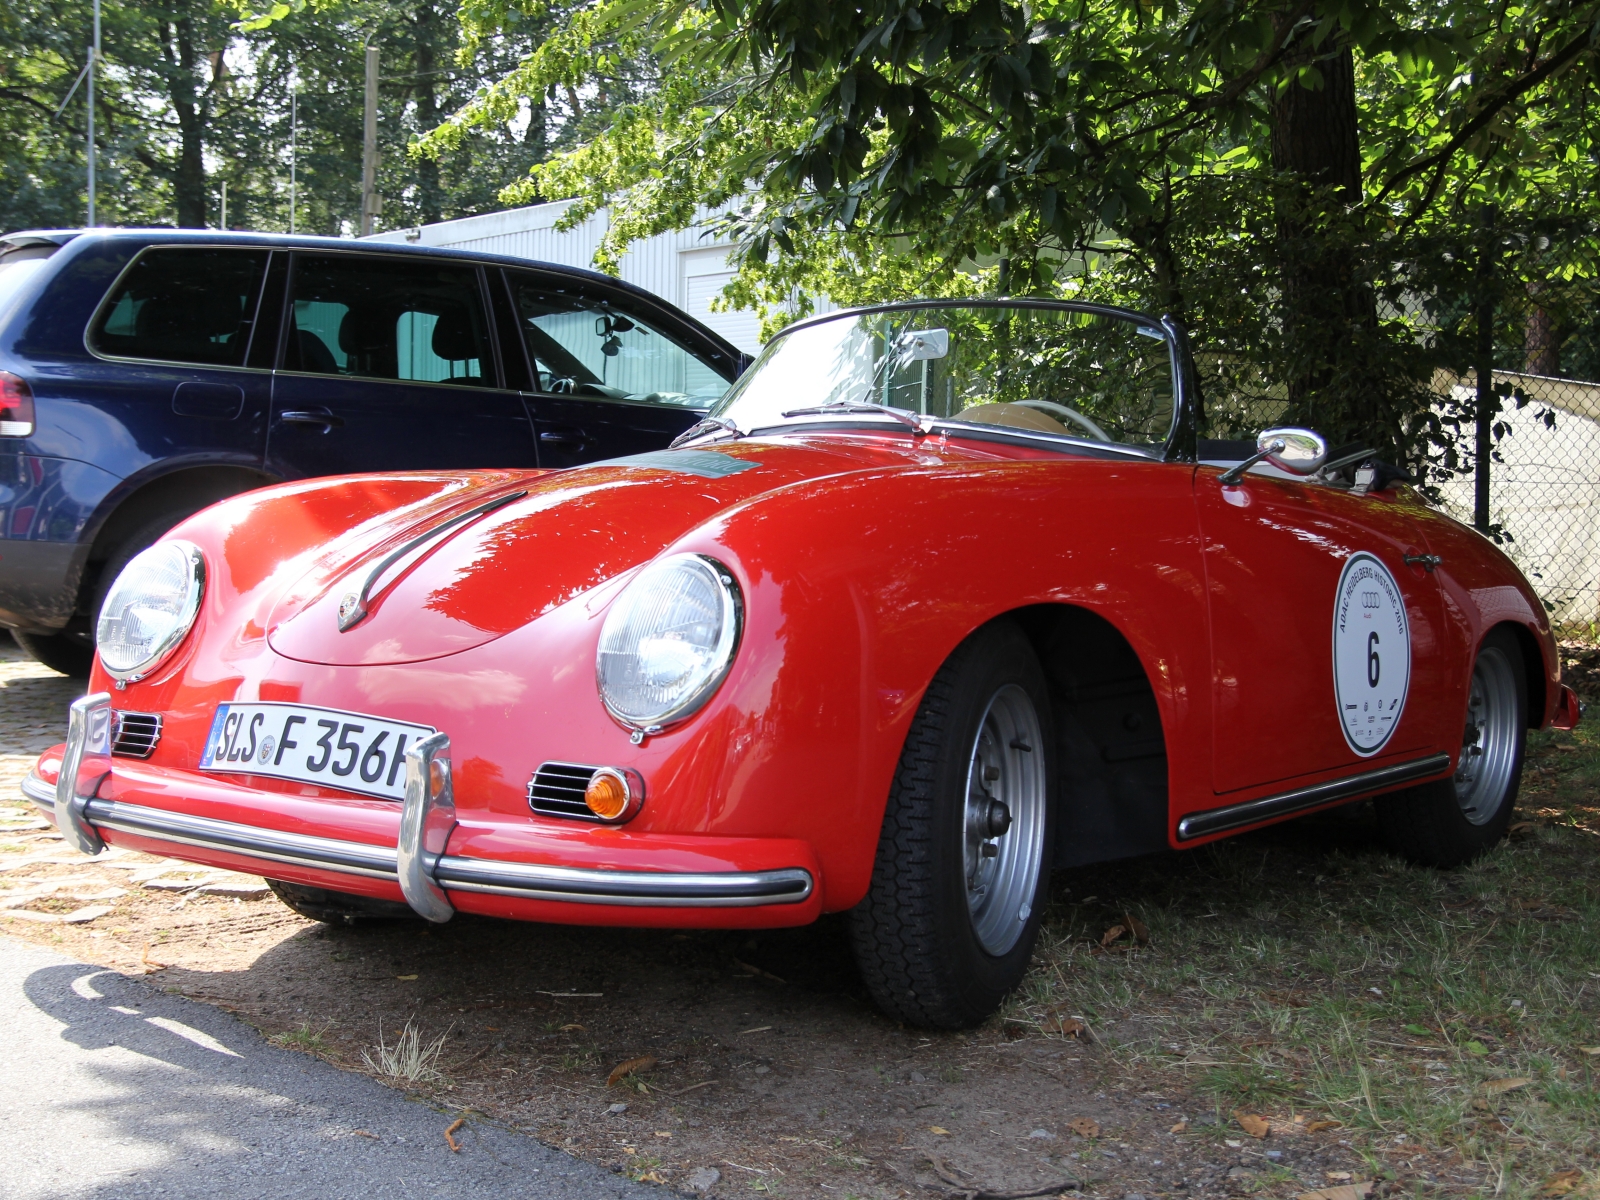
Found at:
<point>705,274</point>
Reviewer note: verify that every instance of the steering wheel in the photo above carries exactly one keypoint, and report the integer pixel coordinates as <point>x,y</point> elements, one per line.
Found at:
<point>1071,414</point>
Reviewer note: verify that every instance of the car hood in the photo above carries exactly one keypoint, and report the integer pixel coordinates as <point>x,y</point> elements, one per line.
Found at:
<point>568,533</point>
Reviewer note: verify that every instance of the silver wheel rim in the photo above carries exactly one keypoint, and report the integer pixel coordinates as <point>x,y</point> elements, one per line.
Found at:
<point>1489,741</point>
<point>1002,870</point>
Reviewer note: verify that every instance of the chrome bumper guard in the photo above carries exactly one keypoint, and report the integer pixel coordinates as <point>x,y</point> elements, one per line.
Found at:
<point>424,873</point>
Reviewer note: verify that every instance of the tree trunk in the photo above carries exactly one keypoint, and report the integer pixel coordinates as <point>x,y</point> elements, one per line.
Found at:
<point>1327,306</point>
<point>1542,341</point>
<point>429,192</point>
<point>190,103</point>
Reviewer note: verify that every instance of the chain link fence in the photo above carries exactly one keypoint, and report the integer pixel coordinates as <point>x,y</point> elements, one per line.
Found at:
<point>1527,458</point>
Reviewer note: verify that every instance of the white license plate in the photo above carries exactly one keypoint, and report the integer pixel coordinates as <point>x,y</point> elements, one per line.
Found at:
<point>353,751</point>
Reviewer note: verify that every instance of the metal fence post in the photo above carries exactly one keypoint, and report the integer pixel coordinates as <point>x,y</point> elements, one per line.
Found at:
<point>1483,367</point>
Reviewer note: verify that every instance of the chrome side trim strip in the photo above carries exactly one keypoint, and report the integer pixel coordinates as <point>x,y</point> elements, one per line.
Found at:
<point>300,849</point>
<point>718,889</point>
<point>1232,816</point>
<point>721,889</point>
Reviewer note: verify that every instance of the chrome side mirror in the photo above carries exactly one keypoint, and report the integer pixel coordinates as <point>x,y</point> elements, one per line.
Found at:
<point>1297,451</point>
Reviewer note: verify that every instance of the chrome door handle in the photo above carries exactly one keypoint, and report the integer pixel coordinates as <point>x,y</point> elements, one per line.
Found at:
<point>311,416</point>
<point>1426,561</point>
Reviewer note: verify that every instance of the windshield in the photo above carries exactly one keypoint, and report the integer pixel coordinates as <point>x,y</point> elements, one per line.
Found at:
<point>1038,370</point>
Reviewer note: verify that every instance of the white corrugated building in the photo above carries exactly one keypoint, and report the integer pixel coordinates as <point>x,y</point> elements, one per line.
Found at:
<point>688,268</point>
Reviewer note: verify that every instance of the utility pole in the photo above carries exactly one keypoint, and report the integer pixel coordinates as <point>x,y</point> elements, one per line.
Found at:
<point>87,74</point>
<point>94,58</point>
<point>223,224</point>
<point>370,200</point>
<point>294,129</point>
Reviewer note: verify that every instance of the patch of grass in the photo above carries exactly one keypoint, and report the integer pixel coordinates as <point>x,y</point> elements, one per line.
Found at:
<point>1304,970</point>
<point>312,1041</point>
<point>409,1060</point>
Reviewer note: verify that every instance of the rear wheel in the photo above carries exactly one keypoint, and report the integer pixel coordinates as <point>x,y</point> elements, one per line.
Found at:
<point>338,908</point>
<point>1452,821</point>
<point>949,920</point>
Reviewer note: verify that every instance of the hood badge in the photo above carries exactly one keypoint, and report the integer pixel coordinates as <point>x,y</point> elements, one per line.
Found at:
<point>347,606</point>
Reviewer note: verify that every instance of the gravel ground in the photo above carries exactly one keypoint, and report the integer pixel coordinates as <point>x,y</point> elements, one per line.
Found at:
<point>758,1064</point>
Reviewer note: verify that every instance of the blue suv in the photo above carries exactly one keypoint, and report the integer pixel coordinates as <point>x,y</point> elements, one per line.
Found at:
<point>145,374</point>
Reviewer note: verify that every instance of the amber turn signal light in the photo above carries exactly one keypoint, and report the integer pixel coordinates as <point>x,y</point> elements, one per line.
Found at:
<point>612,795</point>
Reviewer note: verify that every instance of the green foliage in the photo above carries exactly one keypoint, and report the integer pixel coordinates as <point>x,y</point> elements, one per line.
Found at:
<point>1121,149</point>
<point>191,96</point>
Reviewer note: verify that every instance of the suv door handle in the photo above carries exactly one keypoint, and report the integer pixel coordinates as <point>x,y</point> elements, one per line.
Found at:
<point>311,416</point>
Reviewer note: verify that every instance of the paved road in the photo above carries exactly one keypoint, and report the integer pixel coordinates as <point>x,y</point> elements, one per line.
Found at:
<point>110,1087</point>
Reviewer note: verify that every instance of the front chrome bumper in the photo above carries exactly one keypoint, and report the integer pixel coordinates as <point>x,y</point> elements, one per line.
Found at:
<point>425,874</point>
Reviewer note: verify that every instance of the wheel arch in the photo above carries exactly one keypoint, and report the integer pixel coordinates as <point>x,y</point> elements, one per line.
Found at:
<point>1534,668</point>
<point>124,512</point>
<point>1111,744</point>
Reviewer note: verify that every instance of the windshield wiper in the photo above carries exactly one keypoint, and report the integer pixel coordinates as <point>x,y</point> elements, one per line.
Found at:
<point>919,425</point>
<point>704,426</point>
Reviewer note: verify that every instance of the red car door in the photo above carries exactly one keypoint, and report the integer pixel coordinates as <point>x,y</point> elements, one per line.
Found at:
<point>1326,642</point>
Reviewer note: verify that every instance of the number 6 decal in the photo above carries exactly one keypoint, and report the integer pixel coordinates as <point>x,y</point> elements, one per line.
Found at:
<point>1371,653</point>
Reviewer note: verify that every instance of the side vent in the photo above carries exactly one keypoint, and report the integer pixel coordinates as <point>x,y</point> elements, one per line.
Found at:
<point>135,734</point>
<point>556,790</point>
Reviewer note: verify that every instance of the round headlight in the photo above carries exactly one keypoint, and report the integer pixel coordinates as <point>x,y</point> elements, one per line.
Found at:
<point>668,641</point>
<point>150,608</point>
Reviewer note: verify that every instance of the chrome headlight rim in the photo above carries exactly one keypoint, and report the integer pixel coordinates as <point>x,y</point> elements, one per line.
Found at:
<point>728,644</point>
<point>165,648</point>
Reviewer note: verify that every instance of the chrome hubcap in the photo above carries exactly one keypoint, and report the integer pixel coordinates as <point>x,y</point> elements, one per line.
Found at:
<point>1489,741</point>
<point>1004,820</point>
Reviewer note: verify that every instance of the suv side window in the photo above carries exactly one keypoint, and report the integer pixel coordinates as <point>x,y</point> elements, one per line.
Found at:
<point>582,345</point>
<point>373,319</point>
<point>186,304</point>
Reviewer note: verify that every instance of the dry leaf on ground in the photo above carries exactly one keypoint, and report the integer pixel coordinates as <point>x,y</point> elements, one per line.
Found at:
<point>1255,1126</point>
<point>1180,1127</point>
<point>1319,1126</point>
<point>1073,1028</point>
<point>1345,1191</point>
<point>1084,1127</point>
<point>939,1129</point>
<point>1495,1086</point>
<point>1112,934</point>
<point>623,1069</point>
<point>1591,1050</point>
<point>1141,932</point>
<point>1561,1183</point>
<point>449,1134</point>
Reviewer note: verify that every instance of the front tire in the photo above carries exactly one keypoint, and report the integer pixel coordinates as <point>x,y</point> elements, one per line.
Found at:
<point>948,923</point>
<point>1452,821</point>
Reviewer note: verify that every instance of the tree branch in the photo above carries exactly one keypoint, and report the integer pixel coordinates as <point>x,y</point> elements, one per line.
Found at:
<point>1439,160</point>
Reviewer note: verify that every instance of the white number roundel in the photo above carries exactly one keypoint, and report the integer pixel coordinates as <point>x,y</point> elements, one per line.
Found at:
<point>1371,653</point>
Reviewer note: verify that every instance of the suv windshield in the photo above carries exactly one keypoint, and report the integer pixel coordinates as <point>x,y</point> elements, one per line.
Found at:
<point>1039,370</point>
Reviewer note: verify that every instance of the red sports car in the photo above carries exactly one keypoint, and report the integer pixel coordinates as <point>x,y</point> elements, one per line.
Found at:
<point>942,595</point>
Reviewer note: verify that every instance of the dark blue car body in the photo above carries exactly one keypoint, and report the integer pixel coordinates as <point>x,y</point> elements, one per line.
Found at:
<point>122,443</point>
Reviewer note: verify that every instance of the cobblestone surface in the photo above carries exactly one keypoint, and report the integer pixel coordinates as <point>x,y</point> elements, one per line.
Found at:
<point>33,714</point>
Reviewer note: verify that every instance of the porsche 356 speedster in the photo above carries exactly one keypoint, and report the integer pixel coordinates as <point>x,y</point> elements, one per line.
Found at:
<point>940,596</point>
